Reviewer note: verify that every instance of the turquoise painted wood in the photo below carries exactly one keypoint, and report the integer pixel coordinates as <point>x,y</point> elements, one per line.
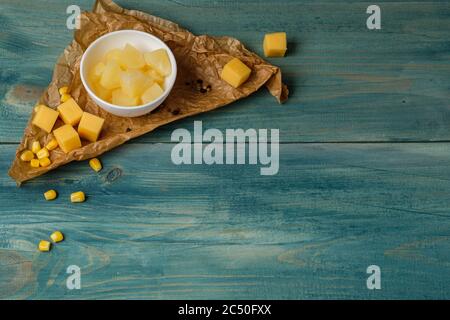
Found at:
<point>364,167</point>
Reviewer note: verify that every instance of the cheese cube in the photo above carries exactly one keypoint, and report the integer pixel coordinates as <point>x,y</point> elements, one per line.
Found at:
<point>275,44</point>
<point>70,112</point>
<point>90,126</point>
<point>68,139</point>
<point>235,72</point>
<point>45,118</point>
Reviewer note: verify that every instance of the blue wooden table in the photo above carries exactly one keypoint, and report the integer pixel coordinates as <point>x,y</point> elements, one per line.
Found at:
<point>364,173</point>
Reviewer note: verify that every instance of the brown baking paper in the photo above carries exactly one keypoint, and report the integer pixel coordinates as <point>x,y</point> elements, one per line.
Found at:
<point>198,58</point>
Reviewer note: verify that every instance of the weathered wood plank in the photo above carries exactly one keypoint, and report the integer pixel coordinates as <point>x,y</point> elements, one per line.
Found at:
<point>347,83</point>
<point>150,229</point>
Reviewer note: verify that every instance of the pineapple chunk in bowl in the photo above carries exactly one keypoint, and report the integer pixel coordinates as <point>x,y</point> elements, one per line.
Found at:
<point>128,73</point>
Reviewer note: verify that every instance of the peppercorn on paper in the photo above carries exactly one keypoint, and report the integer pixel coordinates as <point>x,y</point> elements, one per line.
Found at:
<point>200,59</point>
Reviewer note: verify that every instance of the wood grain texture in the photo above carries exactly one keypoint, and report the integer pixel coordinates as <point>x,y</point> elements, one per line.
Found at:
<point>164,231</point>
<point>150,229</point>
<point>347,83</point>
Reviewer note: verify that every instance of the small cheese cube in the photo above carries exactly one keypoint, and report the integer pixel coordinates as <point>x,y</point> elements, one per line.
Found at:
<point>235,72</point>
<point>152,93</point>
<point>36,108</point>
<point>45,118</point>
<point>68,139</point>
<point>70,112</point>
<point>275,44</point>
<point>90,126</point>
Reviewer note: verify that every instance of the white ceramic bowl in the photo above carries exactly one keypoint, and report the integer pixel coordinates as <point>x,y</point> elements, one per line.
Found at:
<point>118,39</point>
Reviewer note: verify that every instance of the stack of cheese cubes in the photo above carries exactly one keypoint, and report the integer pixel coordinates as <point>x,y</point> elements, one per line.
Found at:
<point>128,77</point>
<point>66,137</point>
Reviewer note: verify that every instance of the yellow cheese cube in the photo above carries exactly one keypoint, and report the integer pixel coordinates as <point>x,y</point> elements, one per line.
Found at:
<point>45,118</point>
<point>65,97</point>
<point>275,44</point>
<point>70,112</point>
<point>235,72</point>
<point>68,139</point>
<point>90,126</point>
<point>36,108</point>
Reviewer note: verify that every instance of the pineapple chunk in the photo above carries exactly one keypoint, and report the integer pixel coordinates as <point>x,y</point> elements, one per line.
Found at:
<point>101,92</point>
<point>152,93</point>
<point>134,82</point>
<point>124,77</point>
<point>113,54</point>
<point>111,76</point>
<point>99,69</point>
<point>132,57</point>
<point>96,72</point>
<point>119,98</point>
<point>156,77</point>
<point>159,60</point>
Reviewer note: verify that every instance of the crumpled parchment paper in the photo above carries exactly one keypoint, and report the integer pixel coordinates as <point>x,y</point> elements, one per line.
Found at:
<point>198,87</point>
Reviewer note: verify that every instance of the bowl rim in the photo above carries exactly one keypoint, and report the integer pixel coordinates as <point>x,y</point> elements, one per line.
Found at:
<point>158,101</point>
